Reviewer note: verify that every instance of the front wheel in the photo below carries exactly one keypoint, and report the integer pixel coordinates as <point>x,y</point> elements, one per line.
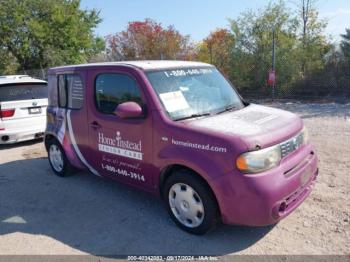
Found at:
<point>190,203</point>
<point>57,158</point>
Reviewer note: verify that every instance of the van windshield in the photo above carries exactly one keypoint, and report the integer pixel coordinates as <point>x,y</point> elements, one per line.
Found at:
<point>15,92</point>
<point>194,92</point>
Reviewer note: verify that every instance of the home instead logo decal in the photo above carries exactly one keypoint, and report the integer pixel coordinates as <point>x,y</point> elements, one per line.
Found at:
<point>118,146</point>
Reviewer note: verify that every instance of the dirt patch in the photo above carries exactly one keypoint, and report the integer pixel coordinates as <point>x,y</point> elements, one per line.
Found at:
<point>43,214</point>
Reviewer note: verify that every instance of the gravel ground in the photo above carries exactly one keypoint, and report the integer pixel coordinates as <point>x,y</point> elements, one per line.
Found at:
<point>82,214</point>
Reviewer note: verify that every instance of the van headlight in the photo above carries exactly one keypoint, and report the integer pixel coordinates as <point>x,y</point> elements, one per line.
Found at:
<point>264,159</point>
<point>305,135</point>
<point>260,160</point>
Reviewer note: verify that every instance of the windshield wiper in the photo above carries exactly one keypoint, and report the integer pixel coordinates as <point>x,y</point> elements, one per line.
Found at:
<point>228,108</point>
<point>192,116</point>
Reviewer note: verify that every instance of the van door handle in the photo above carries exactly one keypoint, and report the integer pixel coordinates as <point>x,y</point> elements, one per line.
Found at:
<point>95,125</point>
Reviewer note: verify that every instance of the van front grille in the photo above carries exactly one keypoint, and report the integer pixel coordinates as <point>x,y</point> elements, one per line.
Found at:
<point>291,145</point>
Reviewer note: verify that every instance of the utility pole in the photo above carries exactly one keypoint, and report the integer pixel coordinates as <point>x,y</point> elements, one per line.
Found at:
<point>273,62</point>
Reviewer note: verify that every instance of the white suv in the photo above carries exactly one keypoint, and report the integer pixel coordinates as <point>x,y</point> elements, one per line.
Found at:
<point>23,103</point>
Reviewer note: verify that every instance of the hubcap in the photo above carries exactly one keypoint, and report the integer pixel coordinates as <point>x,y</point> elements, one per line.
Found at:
<point>186,205</point>
<point>56,158</point>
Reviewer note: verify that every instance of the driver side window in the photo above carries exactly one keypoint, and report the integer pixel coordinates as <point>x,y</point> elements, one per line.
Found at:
<point>112,89</point>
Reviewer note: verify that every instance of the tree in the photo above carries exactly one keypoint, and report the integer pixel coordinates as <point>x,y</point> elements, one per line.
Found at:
<point>345,45</point>
<point>148,40</point>
<point>307,10</point>
<point>216,49</point>
<point>300,46</point>
<point>313,43</point>
<point>43,33</point>
<point>252,52</point>
<point>4,60</point>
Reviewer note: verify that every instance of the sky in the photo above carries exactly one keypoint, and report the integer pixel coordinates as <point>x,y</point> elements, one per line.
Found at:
<point>198,18</point>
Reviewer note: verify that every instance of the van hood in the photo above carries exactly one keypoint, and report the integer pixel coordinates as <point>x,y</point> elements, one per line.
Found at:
<point>258,126</point>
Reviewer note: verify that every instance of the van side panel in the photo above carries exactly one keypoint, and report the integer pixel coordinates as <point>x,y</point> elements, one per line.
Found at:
<point>58,126</point>
<point>109,155</point>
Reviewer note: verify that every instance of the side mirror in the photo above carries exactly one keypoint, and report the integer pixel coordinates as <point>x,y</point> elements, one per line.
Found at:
<point>128,110</point>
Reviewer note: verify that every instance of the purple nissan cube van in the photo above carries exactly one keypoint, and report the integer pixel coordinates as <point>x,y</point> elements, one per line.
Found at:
<point>181,131</point>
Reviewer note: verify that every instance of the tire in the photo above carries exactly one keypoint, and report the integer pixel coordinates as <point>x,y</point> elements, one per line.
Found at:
<point>57,159</point>
<point>190,203</point>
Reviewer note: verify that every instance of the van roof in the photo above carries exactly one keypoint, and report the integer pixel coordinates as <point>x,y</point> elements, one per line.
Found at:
<point>144,65</point>
<point>16,79</point>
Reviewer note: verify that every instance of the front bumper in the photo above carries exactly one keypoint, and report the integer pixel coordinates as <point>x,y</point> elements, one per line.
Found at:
<point>265,198</point>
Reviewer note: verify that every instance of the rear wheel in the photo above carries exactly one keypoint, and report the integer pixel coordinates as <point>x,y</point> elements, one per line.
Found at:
<point>57,158</point>
<point>190,203</point>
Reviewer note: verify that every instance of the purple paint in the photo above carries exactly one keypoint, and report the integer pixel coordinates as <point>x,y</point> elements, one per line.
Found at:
<point>128,110</point>
<point>137,144</point>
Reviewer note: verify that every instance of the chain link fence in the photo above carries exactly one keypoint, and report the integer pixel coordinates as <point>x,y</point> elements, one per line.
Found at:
<point>35,73</point>
<point>327,85</point>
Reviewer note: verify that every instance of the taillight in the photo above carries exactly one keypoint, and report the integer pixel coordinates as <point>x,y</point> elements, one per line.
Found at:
<point>7,113</point>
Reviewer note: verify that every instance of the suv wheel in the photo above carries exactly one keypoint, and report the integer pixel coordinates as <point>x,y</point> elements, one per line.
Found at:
<point>190,203</point>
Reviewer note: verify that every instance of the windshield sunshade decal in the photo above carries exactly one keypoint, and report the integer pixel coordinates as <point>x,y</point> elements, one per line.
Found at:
<point>174,101</point>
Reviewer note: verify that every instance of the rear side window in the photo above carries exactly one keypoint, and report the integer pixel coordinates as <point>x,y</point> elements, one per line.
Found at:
<point>62,91</point>
<point>52,88</point>
<point>71,91</point>
<point>15,92</point>
<point>114,89</point>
